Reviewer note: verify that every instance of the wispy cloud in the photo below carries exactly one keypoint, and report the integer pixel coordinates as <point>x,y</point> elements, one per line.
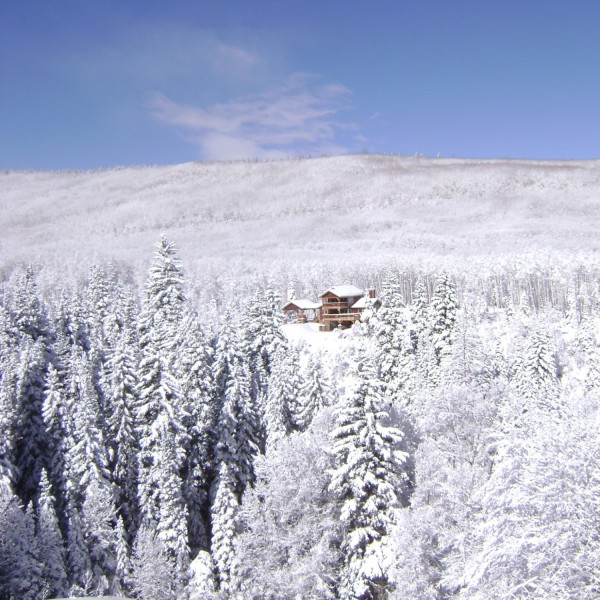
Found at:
<point>170,54</point>
<point>300,117</point>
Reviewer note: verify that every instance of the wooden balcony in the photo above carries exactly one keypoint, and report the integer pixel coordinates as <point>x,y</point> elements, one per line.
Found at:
<point>336,305</point>
<point>345,316</point>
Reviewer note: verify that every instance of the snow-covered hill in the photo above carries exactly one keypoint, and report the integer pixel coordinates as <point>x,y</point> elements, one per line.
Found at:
<point>332,211</point>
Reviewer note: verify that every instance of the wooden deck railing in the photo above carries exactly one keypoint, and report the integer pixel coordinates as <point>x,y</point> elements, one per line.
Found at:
<point>340,317</point>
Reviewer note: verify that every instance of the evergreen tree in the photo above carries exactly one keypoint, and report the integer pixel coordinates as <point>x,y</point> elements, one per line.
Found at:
<point>202,582</point>
<point>281,401</point>
<point>161,403</point>
<point>237,436</point>
<point>198,392</point>
<point>123,571</point>
<point>368,479</point>
<point>164,298</point>
<point>224,509</point>
<point>261,324</point>
<point>466,361</point>
<point>30,436</point>
<point>444,307</point>
<point>420,311</point>
<point>314,393</point>
<point>123,446</point>
<point>8,417</point>
<point>392,332</point>
<point>100,535</point>
<point>591,353</point>
<point>50,542</point>
<point>86,455</point>
<point>57,418</point>
<point>535,376</point>
<point>29,313</point>
<point>172,518</point>
<point>79,568</point>
<point>159,400</point>
<point>21,571</point>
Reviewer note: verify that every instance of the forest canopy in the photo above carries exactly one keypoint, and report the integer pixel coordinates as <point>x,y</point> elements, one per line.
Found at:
<point>161,443</point>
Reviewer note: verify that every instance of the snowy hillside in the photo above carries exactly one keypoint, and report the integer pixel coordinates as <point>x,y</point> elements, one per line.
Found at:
<point>325,210</point>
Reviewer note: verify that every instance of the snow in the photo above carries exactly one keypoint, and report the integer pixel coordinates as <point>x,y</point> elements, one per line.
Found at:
<point>309,335</point>
<point>304,304</point>
<point>240,216</point>
<point>364,302</point>
<point>344,291</point>
<point>460,205</point>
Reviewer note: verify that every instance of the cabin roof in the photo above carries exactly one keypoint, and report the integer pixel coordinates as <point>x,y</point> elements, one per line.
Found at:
<point>302,304</point>
<point>343,291</point>
<point>364,302</point>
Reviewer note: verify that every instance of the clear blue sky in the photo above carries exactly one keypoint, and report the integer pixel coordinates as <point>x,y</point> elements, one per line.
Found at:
<point>114,82</point>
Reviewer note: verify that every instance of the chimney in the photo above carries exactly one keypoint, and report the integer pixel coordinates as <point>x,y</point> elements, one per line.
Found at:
<point>371,292</point>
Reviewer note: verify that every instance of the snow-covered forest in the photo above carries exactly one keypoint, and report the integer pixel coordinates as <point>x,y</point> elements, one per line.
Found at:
<point>166,435</point>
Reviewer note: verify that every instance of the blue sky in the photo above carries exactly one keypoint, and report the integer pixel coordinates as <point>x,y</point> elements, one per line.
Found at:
<point>116,82</point>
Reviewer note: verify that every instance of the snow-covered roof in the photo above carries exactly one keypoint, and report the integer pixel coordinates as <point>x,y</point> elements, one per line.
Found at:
<point>364,302</point>
<point>303,304</point>
<point>344,291</point>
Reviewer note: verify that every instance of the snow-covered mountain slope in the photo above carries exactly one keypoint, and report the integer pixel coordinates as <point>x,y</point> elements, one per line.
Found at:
<point>325,210</point>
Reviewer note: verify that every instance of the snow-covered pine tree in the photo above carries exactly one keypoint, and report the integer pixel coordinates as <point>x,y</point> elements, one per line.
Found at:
<point>123,446</point>
<point>202,580</point>
<point>8,384</point>
<point>21,571</point>
<point>281,401</point>
<point>57,417</point>
<point>391,330</point>
<point>164,298</point>
<point>29,432</point>
<point>100,305</point>
<point>444,307</point>
<point>237,426</point>
<point>90,496</point>
<point>100,534</point>
<point>466,361</point>
<point>535,372</point>
<point>419,310</point>
<point>315,392</point>
<point>86,451</point>
<point>123,568</point>
<point>70,327</point>
<point>368,480</point>
<point>50,541</point>
<point>195,359</point>
<point>79,568</point>
<point>591,353</point>
<point>29,314</point>
<point>171,518</point>
<point>223,512</point>
<point>236,446</point>
<point>263,337</point>
<point>159,390</point>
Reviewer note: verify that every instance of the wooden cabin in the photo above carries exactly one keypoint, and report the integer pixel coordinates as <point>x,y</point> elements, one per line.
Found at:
<point>340,306</point>
<point>343,305</point>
